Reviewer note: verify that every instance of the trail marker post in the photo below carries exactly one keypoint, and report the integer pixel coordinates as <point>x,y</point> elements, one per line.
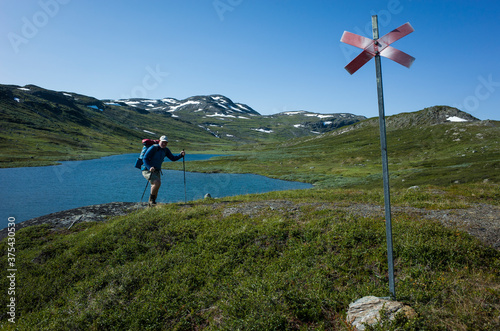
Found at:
<point>373,48</point>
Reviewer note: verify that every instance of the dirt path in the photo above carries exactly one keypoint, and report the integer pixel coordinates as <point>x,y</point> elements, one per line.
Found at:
<point>481,220</point>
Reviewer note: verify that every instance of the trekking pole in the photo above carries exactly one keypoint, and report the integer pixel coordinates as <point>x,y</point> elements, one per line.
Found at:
<point>147,183</point>
<point>184,166</point>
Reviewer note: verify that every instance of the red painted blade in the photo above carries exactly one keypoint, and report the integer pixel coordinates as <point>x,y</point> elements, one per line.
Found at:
<point>381,46</point>
<point>398,56</point>
<point>359,61</point>
<point>396,34</point>
<point>355,40</point>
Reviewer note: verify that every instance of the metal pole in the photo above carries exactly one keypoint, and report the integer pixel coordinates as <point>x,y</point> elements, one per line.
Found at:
<point>184,166</point>
<point>385,167</point>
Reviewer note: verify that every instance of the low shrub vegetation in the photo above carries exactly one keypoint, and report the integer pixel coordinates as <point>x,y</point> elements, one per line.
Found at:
<point>210,265</point>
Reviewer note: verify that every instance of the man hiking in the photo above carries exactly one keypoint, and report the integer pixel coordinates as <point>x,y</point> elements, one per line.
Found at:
<point>151,169</point>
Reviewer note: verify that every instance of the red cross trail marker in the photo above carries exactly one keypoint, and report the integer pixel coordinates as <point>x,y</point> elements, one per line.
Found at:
<point>375,48</point>
<point>372,48</point>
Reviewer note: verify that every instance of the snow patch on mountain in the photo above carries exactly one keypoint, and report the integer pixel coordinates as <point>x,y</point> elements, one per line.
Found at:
<point>220,115</point>
<point>291,113</point>
<point>456,119</point>
<point>264,130</point>
<point>319,115</point>
<point>184,104</point>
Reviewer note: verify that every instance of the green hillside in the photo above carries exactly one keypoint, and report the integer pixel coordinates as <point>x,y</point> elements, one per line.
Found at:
<point>44,127</point>
<point>53,126</point>
<point>275,128</point>
<point>419,152</point>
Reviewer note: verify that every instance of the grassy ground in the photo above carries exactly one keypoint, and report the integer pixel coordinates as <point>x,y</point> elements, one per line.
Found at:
<point>207,265</point>
<point>440,155</point>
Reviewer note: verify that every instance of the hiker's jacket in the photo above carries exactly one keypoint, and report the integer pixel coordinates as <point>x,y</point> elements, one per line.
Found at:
<point>154,157</point>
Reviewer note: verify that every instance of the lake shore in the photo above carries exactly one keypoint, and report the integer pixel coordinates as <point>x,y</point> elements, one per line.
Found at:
<point>75,184</point>
<point>28,161</point>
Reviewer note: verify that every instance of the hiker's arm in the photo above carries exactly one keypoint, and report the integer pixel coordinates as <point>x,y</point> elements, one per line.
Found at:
<point>173,157</point>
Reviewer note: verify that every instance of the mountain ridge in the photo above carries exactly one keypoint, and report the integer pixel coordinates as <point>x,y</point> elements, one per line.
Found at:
<point>60,125</point>
<point>212,103</point>
<point>429,116</point>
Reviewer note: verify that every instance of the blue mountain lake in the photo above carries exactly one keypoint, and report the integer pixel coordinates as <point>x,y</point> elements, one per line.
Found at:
<point>36,191</point>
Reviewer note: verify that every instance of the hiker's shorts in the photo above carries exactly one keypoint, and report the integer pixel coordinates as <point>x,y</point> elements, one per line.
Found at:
<point>151,176</point>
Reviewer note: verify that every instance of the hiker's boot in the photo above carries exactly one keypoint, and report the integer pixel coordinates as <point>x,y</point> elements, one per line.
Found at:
<point>152,200</point>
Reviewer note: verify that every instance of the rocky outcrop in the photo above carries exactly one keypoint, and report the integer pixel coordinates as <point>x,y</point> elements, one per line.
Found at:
<point>67,218</point>
<point>366,311</point>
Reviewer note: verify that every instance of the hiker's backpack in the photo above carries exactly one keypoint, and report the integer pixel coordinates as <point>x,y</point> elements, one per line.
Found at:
<point>146,143</point>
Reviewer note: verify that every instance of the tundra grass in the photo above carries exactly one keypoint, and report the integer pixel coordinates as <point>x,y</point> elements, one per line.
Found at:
<point>440,155</point>
<point>187,267</point>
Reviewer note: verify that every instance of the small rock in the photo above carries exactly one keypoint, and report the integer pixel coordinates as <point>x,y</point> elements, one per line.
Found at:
<point>207,196</point>
<point>416,187</point>
<point>367,310</point>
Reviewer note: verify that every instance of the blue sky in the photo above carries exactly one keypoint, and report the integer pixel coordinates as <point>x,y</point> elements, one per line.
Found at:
<point>274,55</point>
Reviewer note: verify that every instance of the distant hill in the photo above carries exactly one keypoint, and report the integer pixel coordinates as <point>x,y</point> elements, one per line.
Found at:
<point>58,125</point>
<point>435,146</point>
<point>425,117</point>
<point>213,105</point>
<point>224,119</point>
<point>40,127</point>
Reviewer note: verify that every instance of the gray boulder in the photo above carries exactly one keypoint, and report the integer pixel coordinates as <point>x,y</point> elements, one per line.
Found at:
<point>367,311</point>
